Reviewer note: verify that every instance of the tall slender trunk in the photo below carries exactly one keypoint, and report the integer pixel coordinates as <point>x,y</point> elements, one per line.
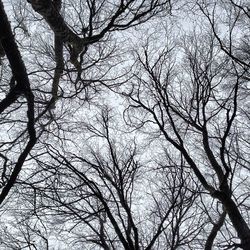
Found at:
<point>216,228</point>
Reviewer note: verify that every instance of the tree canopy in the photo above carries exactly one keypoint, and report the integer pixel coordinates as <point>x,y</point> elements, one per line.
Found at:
<point>124,124</point>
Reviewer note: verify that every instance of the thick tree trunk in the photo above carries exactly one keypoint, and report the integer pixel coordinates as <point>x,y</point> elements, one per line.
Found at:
<point>236,218</point>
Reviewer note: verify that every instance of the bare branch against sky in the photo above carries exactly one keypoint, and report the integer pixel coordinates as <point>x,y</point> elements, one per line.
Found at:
<point>124,124</point>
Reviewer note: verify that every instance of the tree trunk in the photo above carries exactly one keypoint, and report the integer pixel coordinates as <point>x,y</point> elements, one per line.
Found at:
<point>236,218</point>
<point>216,228</point>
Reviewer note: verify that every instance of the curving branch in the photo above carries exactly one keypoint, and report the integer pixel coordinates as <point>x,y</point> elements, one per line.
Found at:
<point>216,228</point>
<point>22,87</point>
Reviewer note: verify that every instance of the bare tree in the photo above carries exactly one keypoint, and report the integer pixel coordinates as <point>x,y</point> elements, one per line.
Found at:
<point>192,113</point>
<point>70,40</point>
<point>234,20</point>
<point>99,194</point>
<point>174,175</point>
